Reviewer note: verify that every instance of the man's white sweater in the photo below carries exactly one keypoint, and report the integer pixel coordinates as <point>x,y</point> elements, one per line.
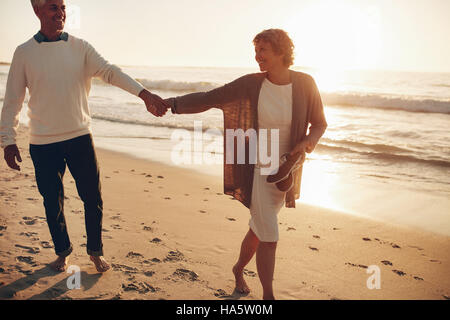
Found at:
<point>58,77</point>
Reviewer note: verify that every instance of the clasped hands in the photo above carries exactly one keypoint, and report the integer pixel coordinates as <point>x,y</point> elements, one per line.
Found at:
<point>155,104</point>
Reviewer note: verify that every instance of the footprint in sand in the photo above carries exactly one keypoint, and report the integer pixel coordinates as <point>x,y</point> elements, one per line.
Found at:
<point>186,274</point>
<point>156,240</point>
<point>141,287</point>
<point>30,235</point>
<point>400,273</point>
<point>116,226</point>
<point>132,254</point>
<point>291,229</point>
<point>27,260</point>
<point>28,221</point>
<point>125,269</point>
<point>202,211</point>
<point>231,219</point>
<point>149,273</point>
<point>356,265</point>
<point>386,263</point>
<point>24,271</point>
<point>437,261</point>
<point>418,278</point>
<point>31,250</point>
<point>174,256</point>
<point>154,260</point>
<point>148,229</point>
<point>46,245</point>
<point>314,249</point>
<point>220,293</point>
<point>393,245</point>
<point>2,228</point>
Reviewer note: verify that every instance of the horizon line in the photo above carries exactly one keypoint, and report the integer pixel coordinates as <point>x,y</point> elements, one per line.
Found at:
<point>3,63</point>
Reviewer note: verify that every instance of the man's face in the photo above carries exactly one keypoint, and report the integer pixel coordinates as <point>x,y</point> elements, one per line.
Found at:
<point>52,14</point>
<point>266,57</point>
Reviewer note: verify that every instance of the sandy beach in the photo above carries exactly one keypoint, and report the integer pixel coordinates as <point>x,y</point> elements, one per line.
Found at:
<point>171,233</point>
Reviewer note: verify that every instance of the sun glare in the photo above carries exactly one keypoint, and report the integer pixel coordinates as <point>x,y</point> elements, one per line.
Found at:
<point>334,35</point>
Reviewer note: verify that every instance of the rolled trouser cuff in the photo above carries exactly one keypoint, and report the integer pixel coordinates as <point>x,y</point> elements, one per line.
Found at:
<point>66,252</point>
<point>95,253</point>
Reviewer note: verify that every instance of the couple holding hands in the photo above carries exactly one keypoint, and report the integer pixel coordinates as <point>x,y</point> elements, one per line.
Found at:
<point>57,69</point>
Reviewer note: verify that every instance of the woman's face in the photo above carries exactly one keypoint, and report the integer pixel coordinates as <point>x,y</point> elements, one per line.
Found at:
<point>267,59</point>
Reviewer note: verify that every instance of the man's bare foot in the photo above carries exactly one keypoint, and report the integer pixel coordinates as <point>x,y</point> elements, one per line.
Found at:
<point>60,264</point>
<point>100,264</point>
<point>241,285</point>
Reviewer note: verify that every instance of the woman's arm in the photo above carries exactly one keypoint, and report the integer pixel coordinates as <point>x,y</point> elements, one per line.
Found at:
<point>316,119</point>
<point>216,98</point>
<point>317,129</point>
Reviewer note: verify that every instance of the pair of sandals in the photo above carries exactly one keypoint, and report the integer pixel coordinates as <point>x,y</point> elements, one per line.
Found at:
<point>284,178</point>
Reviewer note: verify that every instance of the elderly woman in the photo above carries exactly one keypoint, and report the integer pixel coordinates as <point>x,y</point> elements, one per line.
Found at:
<point>276,98</point>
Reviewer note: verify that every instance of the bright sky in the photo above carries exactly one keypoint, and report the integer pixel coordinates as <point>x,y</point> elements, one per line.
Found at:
<point>365,34</point>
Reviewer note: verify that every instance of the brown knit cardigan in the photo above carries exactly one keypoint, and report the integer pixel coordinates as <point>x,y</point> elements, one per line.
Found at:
<point>239,102</point>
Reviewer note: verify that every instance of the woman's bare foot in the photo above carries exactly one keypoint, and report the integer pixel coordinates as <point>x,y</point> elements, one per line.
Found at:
<point>241,285</point>
<point>100,264</point>
<point>60,264</point>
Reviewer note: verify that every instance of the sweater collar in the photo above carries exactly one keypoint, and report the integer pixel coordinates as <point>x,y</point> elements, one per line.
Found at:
<point>40,37</point>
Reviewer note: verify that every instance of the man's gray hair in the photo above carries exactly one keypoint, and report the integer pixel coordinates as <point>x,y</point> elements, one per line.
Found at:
<point>38,3</point>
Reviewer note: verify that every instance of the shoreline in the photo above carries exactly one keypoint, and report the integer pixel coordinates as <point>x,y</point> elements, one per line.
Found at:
<point>170,233</point>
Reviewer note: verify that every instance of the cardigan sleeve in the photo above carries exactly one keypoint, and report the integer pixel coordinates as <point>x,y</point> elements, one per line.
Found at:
<point>317,115</point>
<point>216,98</point>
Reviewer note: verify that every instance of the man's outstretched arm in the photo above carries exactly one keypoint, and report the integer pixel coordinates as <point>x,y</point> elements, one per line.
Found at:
<point>98,67</point>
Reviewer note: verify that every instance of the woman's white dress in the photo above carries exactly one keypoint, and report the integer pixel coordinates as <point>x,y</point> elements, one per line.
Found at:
<point>274,112</point>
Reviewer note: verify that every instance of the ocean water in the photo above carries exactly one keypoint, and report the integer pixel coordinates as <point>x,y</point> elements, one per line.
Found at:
<point>388,129</point>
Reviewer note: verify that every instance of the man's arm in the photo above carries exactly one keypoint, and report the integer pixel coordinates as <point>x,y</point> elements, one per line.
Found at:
<point>98,67</point>
<point>13,102</point>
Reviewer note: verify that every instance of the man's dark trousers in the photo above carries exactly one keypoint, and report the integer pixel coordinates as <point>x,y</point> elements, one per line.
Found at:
<point>50,162</point>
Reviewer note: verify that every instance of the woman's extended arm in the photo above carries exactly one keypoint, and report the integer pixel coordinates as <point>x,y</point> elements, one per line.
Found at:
<point>216,98</point>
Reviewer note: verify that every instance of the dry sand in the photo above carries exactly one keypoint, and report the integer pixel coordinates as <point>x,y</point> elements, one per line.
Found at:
<point>171,233</point>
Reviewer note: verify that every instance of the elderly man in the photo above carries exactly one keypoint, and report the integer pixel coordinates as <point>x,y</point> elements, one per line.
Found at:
<point>57,69</point>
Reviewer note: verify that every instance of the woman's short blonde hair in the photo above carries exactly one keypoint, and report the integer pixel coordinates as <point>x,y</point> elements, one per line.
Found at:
<point>38,3</point>
<point>281,44</point>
